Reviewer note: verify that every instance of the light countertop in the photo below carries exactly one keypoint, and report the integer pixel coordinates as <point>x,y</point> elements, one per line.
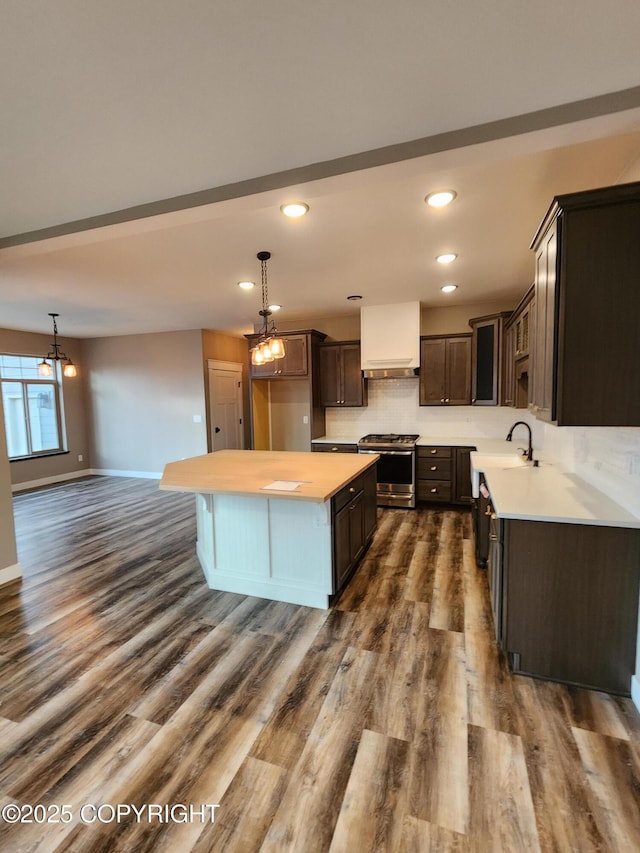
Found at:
<point>247,472</point>
<point>550,493</point>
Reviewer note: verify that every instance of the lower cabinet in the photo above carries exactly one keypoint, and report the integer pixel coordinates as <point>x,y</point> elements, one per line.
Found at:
<point>443,474</point>
<point>354,523</point>
<point>565,599</point>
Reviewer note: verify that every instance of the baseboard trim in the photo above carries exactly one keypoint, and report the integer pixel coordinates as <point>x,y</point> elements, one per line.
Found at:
<point>114,472</point>
<point>86,472</point>
<point>48,481</point>
<point>635,691</point>
<point>10,573</point>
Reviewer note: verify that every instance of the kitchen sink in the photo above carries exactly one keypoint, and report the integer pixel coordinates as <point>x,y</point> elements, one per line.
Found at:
<point>481,462</point>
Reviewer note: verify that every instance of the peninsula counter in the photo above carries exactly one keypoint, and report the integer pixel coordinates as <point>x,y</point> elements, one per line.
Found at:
<point>299,545</point>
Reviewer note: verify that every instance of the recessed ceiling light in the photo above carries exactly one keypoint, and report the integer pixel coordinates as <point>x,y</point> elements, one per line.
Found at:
<point>295,209</point>
<point>449,288</point>
<point>246,285</point>
<point>447,258</point>
<point>275,307</point>
<point>441,198</point>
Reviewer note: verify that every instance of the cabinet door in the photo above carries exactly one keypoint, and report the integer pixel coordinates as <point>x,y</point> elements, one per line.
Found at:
<point>433,371</point>
<point>353,385</point>
<point>544,349</point>
<point>509,355</point>
<point>356,528</point>
<point>462,475</point>
<point>341,546</point>
<point>458,371</point>
<point>330,385</point>
<point>294,362</point>
<point>484,358</point>
<point>370,504</point>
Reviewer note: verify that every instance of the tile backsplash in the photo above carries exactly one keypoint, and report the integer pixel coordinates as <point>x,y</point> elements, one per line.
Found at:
<point>606,457</point>
<point>393,407</point>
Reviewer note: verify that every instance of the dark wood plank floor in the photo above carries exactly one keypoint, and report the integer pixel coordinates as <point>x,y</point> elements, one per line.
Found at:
<point>388,723</point>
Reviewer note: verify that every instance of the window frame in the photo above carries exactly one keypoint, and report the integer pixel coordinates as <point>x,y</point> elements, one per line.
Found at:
<point>54,382</point>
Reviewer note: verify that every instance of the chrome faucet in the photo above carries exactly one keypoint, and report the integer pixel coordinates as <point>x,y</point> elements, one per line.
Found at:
<point>529,451</point>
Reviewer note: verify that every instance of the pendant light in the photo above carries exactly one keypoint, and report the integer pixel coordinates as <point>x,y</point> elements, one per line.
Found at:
<point>55,354</point>
<point>269,346</point>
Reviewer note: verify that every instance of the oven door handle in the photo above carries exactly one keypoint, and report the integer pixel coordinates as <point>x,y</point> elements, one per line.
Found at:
<point>389,452</point>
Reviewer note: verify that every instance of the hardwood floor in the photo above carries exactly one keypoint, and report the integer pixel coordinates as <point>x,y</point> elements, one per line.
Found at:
<point>389,723</point>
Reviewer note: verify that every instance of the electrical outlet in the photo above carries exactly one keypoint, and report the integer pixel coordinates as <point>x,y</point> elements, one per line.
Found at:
<point>305,419</point>
<point>80,457</point>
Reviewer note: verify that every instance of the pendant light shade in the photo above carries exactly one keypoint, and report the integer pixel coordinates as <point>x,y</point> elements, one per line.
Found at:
<point>55,354</point>
<point>269,346</point>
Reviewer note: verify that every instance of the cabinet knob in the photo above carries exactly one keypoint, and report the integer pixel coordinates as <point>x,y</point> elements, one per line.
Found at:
<point>487,511</point>
<point>433,491</point>
<point>352,491</point>
<point>334,448</point>
<point>447,400</point>
<point>434,450</point>
<point>474,399</point>
<point>442,399</point>
<point>434,468</point>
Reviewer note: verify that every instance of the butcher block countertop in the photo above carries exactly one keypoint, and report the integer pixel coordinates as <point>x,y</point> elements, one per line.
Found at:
<point>247,472</point>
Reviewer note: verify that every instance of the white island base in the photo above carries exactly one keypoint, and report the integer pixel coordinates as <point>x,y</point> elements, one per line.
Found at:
<point>269,547</point>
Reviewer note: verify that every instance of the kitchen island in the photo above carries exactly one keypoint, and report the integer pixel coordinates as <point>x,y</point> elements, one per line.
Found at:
<point>280,525</point>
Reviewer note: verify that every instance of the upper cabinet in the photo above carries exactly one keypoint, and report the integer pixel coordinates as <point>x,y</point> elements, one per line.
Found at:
<point>341,381</point>
<point>586,370</point>
<point>295,361</point>
<point>445,370</point>
<point>519,332</point>
<point>486,359</point>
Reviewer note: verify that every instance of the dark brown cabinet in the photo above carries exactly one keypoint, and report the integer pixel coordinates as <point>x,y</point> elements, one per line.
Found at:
<point>341,380</point>
<point>294,363</point>
<point>586,370</point>
<point>517,353</point>
<point>566,600</point>
<point>443,474</point>
<point>354,523</point>
<point>462,480</point>
<point>487,344</point>
<point>445,370</point>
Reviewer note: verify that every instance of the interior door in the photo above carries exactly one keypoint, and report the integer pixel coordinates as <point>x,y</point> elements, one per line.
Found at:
<point>225,405</point>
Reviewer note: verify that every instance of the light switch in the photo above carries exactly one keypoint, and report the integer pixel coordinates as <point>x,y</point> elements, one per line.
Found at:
<point>305,419</point>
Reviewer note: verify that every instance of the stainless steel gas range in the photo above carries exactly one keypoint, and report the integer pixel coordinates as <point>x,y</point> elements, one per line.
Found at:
<point>396,467</point>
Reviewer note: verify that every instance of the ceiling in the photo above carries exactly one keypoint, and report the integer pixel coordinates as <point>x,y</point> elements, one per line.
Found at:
<point>359,109</point>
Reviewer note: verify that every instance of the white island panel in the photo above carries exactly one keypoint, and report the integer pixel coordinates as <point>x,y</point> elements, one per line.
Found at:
<point>270,548</point>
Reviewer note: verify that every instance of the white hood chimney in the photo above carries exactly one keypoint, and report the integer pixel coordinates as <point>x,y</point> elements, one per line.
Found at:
<point>390,340</point>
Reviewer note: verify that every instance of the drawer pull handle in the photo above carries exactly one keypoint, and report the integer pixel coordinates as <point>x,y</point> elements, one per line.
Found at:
<point>334,448</point>
<point>434,450</point>
<point>434,468</point>
<point>493,537</point>
<point>433,491</point>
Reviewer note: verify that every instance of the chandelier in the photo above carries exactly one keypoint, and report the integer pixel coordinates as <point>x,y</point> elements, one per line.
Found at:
<point>56,355</point>
<point>269,346</point>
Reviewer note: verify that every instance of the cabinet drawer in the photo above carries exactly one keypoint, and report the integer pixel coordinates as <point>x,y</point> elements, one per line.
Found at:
<point>334,448</point>
<point>348,493</point>
<point>435,468</point>
<point>434,490</point>
<point>430,452</point>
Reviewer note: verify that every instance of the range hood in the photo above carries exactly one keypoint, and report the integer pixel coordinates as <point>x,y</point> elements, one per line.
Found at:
<point>390,340</point>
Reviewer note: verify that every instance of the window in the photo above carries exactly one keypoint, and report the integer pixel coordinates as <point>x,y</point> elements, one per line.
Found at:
<point>31,407</point>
